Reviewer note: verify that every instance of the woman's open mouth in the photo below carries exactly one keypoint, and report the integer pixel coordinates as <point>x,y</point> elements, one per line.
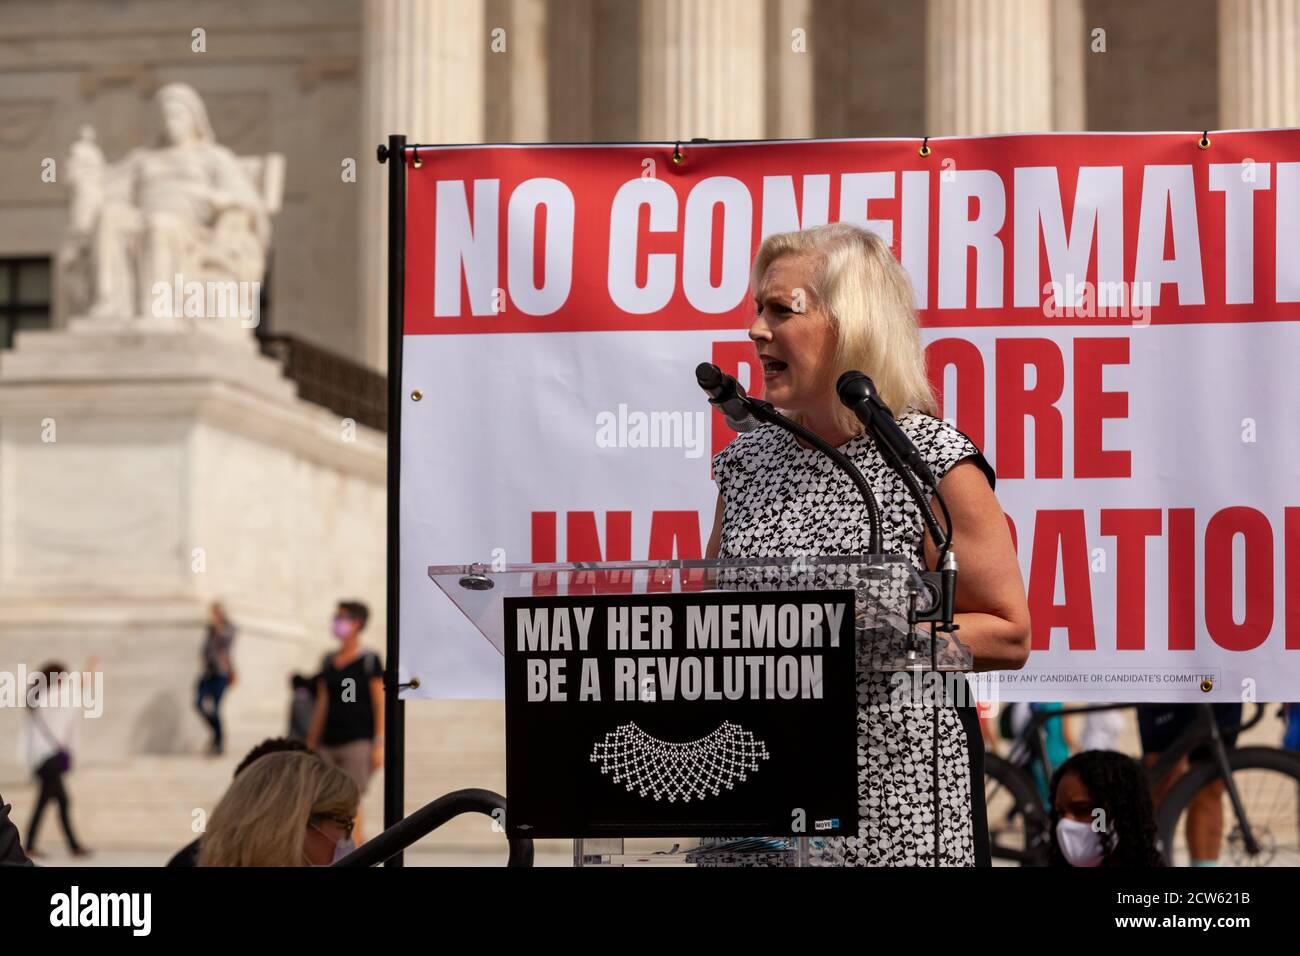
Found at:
<point>772,367</point>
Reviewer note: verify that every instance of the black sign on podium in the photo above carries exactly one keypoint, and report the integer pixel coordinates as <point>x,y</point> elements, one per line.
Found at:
<point>688,698</point>
<point>681,714</point>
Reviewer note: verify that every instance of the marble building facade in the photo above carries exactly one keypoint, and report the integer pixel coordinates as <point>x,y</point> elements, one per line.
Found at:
<point>163,448</point>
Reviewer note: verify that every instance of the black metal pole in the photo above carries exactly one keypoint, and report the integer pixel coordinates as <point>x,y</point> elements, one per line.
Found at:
<point>394,708</point>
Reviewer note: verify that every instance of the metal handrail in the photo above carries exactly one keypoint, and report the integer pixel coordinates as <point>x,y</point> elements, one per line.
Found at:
<point>427,819</point>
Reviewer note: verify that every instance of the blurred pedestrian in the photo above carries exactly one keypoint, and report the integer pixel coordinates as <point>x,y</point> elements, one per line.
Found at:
<point>347,728</point>
<point>1055,744</point>
<point>1101,729</point>
<point>1291,735</point>
<point>1160,726</point>
<point>302,707</point>
<point>218,673</point>
<point>53,724</point>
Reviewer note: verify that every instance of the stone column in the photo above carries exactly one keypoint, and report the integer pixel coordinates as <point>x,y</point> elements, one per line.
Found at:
<point>989,67</point>
<point>1070,45</point>
<point>1259,66</point>
<point>516,76</point>
<point>421,74</point>
<point>571,70</point>
<point>702,69</point>
<point>791,47</point>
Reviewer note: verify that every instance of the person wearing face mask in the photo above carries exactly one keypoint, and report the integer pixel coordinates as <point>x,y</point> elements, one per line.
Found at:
<point>285,809</point>
<point>189,854</point>
<point>1102,814</point>
<point>347,728</point>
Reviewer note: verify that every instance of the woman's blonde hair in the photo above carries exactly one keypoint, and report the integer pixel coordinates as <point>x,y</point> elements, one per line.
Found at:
<point>867,295</point>
<point>262,819</point>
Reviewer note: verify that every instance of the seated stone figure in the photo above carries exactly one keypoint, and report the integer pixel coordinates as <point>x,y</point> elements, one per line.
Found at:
<point>183,211</point>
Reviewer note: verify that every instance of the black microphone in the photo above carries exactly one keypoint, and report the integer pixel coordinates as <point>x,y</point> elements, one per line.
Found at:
<point>728,395</point>
<point>859,393</point>
<point>744,414</point>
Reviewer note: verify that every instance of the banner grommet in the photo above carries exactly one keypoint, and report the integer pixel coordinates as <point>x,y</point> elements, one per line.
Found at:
<point>925,147</point>
<point>1204,141</point>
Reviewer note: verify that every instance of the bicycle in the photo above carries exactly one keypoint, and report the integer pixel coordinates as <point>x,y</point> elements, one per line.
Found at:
<point>1262,785</point>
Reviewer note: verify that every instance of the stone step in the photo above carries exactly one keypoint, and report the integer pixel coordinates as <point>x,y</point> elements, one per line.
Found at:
<point>149,803</point>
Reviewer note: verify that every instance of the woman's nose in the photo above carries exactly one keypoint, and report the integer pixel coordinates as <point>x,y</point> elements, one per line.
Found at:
<point>759,331</point>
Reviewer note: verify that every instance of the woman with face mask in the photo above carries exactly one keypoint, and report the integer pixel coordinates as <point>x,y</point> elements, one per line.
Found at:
<point>285,809</point>
<point>1102,813</point>
<point>347,725</point>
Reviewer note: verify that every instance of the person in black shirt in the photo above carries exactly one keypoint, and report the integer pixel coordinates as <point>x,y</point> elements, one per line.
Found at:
<point>347,729</point>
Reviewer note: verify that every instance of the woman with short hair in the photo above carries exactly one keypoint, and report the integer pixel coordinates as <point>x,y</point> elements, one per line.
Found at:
<point>830,299</point>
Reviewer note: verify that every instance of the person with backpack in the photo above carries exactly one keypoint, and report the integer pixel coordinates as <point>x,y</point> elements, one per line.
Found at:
<point>347,728</point>
<point>302,707</point>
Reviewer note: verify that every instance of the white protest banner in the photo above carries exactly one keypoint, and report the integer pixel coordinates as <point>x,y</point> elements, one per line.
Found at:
<point>1113,318</point>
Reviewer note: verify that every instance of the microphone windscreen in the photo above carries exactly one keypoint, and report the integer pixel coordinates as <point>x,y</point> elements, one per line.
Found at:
<point>748,425</point>
<point>708,375</point>
<point>853,386</point>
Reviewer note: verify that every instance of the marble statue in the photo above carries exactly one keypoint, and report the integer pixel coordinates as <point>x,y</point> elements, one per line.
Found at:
<point>183,211</point>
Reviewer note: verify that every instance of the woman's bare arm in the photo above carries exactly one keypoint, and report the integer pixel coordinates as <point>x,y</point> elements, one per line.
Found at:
<point>992,611</point>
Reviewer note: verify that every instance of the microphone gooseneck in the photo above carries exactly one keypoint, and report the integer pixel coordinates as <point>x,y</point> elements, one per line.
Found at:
<point>728,395</point>
<point>858,393</point>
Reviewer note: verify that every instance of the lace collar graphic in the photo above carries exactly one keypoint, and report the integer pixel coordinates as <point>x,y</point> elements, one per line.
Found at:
<point>686,771</point>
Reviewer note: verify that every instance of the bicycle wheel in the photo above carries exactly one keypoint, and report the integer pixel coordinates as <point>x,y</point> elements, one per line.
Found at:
<point>1018,822</point>
<point>1268,780</point>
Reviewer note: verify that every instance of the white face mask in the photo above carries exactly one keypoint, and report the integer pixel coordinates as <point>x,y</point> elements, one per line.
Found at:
<point>341,849</point>
<point>1080,844</point>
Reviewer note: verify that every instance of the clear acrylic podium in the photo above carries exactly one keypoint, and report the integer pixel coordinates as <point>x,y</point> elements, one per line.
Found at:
<point>891,600</point>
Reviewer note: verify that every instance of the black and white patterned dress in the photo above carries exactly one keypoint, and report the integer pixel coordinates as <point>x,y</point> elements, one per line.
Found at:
<point>783,500</point>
